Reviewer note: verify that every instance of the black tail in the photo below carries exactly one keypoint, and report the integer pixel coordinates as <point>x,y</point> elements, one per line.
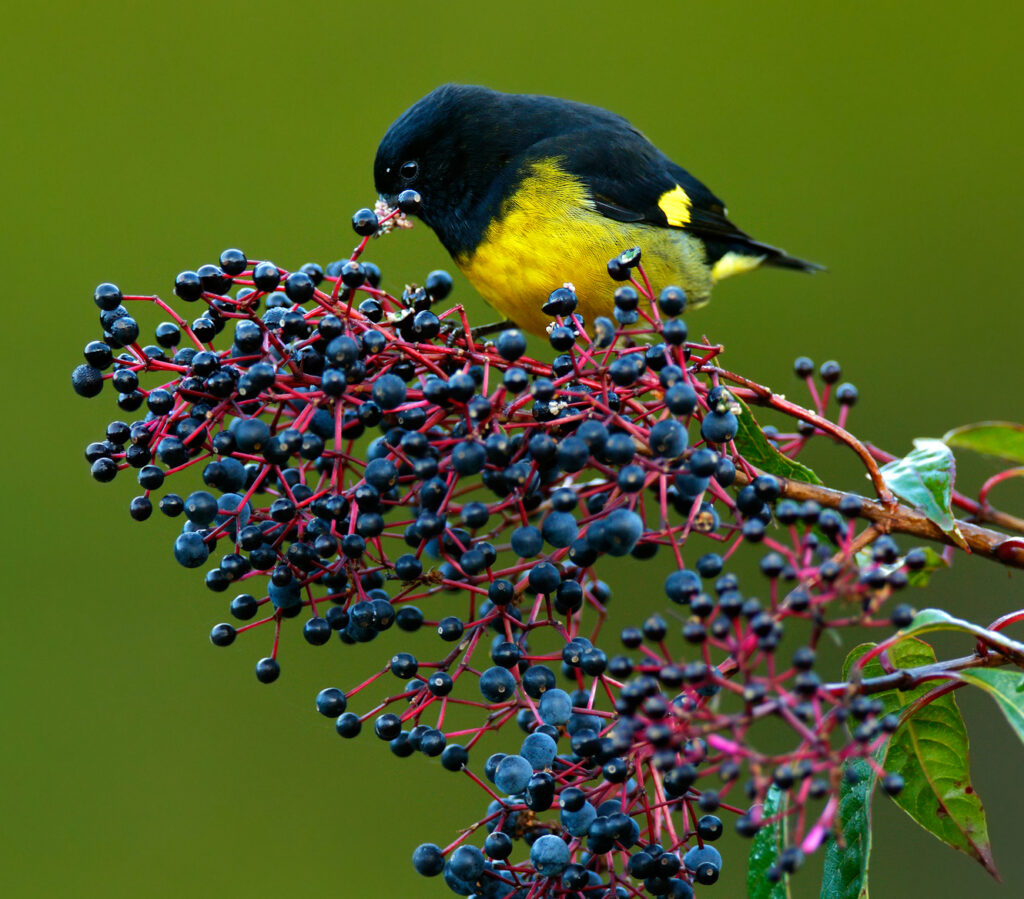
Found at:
<point>753,250</point>
<point>783,260</point>
<point>775,256</point>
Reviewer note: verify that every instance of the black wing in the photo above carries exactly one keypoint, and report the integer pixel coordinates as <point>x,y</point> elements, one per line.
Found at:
<point>631,180</point>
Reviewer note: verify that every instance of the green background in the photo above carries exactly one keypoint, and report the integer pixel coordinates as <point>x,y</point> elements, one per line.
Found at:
<point>140,139</point>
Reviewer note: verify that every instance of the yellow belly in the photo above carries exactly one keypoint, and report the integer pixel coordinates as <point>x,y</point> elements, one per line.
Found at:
<point>548,234</point>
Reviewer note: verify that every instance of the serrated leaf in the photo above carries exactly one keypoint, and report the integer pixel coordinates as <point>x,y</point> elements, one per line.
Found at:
<point>931,751</point>
<point>764,852</point>
<point>854,654</point>
<point>938,620</point>
<point>924,478</point>
<point>846,866</point>
<point>1006,687</point>
<point>759,451</point>
<point>1004,439</point>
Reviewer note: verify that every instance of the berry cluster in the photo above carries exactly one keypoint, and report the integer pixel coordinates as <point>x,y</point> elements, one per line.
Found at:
<point>369,462</point>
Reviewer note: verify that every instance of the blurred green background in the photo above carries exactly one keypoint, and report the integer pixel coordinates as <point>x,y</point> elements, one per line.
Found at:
<point>140,139</point>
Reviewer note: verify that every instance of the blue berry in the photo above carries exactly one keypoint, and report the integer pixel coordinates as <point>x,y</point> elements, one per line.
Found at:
<point>672,301</point>
<point>544,578</point>
<point>387,726</point>
<point>104,470</point>
<point>498,845</point>
<point>201,508</point>
<point>513,774</point>
<point>549,855</point>
<point>682,586</point>
<point>107,296</point>
<point>674,332</point>
<point>467,863</point>
<point>623,528</point>
<point>440,683</point>
<point>719,427</point>
<point>705,863</point>
<point>190,551</point>
<point>214,279</point>
<point>511,344</point>
<point>561,301</point>
<point>497,684</point>
<point>348,725</point>
<point>454,757</point>
<point>537,680</point>
<point>573,454</point>
<point>527,541</point>
<point>285,596</point>
<point>709,827</point>
<point>689,485</point>
<point>559,529</point>
<point>409,619</point>
<point>681,399</point>
<point>408,567</point>
<point>539,750</point>
<point>668,439</point>
<point>267,670</point>
<point>316,631</point>
<point>491,765</point>
<point>555,707</point>
<point>428,860</point>
<point>87,381</point>
<point>188,287</point>
<point>140,508</point>
<point>438,285</point>
<point>222,635</point>
<point>389,391</point>
<point>450,629</point>
<point>620,449</point>
<point>468,457</point>
<point>251,434</point>
<point>456,884</point>
<point>381,473</point>
<point>578,822</point>
<point>364,223</point>
<point>331,702</point>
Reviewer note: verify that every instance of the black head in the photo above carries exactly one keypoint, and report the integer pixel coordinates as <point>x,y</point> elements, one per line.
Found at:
<point>460,148</point>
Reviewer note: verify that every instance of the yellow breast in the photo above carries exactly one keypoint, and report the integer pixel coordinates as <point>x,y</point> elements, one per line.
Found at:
<point>548,233</point>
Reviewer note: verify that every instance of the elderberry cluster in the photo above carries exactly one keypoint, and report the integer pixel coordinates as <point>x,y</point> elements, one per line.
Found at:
<point>369,462</point>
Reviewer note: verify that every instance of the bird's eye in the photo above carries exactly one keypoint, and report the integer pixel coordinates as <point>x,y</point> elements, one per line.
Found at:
<point>409,170</point>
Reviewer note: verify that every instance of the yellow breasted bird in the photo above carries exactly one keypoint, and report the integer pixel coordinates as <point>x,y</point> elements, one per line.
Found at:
<point>529,192</point>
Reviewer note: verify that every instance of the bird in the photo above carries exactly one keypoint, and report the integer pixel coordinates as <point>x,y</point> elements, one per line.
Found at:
<point>531,193</point>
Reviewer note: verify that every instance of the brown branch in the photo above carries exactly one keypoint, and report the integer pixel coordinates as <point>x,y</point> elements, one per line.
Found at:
<point>764,396</point>
<point>870,455</point>
<point>978,511</point>
<point>908,678</point>
<point>901,519</point>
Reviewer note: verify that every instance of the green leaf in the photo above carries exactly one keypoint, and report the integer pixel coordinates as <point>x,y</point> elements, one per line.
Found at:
<point>854,654</point>
<point>1006,687</point>
<point>1004,439</point>
<point>765,849</point>
<point>759,451</point>
<point>922,576</point>
<point>937,620</point>
<point>924,478</point>
<point>846,866</point>
<point>931,751</point>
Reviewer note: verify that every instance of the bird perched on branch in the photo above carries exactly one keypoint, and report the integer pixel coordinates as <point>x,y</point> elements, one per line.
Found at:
<point>529,192</point>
